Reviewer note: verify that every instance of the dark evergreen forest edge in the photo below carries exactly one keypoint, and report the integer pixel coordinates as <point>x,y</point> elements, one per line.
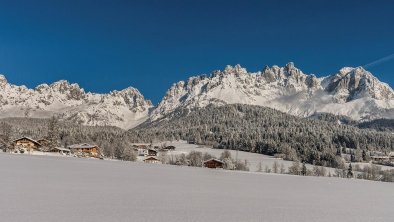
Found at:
<point>317,140</point>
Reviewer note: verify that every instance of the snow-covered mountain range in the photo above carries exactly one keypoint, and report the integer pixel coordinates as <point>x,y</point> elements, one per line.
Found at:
<point>126,108</point>
<point>353,92</point>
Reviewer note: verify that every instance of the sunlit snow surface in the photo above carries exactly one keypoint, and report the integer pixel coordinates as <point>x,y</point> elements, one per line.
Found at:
<point>253,159</point>
<point>43,188</point>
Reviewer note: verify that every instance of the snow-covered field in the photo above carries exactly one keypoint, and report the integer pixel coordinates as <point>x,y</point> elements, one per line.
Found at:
<point>253,159</point>
<point>45,188</point>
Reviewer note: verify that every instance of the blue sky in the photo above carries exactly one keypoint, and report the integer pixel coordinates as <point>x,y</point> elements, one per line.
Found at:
<point>107,45</point>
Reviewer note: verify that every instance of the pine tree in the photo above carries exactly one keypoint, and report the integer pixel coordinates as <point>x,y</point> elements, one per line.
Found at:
<point>352,158</point>
<point>364,155</point>
<point>295,168</point>
<point>339,151</point>
<point>350,171</point>
<point>6,132</point>
<point>53,132</point>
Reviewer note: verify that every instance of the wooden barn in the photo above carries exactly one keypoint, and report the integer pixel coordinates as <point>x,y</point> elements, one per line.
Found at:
<point>151,159</point>
<point>27,143</point>
<point>85,148</point>
<point>213,163</point>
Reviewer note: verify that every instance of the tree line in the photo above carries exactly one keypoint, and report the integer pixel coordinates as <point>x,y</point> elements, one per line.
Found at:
<point>267,131</point>
<point>238,127</point>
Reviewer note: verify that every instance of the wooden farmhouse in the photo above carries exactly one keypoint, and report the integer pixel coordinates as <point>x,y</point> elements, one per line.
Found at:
<point>85,149</point>
<point>151,159</point>
<point>213,163</point>
<point>27,143</point>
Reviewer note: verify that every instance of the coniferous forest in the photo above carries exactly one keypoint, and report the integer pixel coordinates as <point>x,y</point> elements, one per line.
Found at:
<point>267,131</point>
<point>240,127</point>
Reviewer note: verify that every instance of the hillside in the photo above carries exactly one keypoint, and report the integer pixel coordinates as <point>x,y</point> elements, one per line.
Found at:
<point>264,130</point>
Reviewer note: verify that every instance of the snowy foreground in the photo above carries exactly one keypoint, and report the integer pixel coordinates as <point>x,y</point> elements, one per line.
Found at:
<point>44,188</point>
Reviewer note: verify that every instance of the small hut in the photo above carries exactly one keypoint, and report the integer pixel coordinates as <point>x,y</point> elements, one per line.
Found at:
<point>213,163</point>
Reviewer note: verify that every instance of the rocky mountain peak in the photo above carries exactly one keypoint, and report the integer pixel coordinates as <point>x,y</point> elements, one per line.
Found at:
<point>352,92</point>
<point>236,70</point>
<point>125,108</point>
<point>290,66</point>
<point>345,70</point>
<point>3,81</point>
<point>132,97</point>
<point>355,83</point>
<point>287,89</point>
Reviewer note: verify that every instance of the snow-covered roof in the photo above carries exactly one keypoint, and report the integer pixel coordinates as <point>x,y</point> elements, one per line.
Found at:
<point>81,146</point>
<point>28,138</point>
<point>151,158</point>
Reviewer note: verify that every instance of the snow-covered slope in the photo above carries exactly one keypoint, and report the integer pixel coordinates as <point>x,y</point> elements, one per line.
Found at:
<point>126,108</point>
<point>353,92</point>
<point>77,189</point>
